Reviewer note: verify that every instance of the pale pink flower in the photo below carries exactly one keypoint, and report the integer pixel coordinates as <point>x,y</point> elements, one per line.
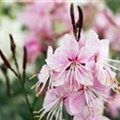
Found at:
<point>100,50</point>
<point>50,74</point>
<point>53,103</point>
<point>71,59</point>
<point>88,101</point>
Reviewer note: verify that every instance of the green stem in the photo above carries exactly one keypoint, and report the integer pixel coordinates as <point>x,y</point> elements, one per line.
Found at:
<point>35,99</point>
<point>25,94</point>
<point>26,98</point>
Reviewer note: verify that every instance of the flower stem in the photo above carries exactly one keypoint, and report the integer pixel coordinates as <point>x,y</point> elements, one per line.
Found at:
<point>26,98</point>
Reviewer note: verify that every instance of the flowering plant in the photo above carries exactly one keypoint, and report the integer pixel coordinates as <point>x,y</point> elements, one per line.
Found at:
<point>78,76</point>
<point>78,80</point>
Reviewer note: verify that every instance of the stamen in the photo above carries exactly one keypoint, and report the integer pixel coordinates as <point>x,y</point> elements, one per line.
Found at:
<point>111,60</point>
<point>53,108</point>
<point>41,89</point>
<point>102,96</point>
<point>76,73</point>
<point>85,73</point>
<point>79,64</point>
<point>115,68</point>
<point>62,71</point>
<point>35,75</point>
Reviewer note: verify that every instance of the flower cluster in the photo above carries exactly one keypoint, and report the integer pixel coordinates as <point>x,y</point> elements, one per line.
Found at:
<point>41,19</point>
<point>78,76</point>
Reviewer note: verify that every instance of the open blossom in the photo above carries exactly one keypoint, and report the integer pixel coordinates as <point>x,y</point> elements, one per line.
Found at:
<point>91,114</point>
<point>53,103</point>
<point>79,76</point>
<point>71,61</point>
<point>100,50</point>
<point>88,101</point>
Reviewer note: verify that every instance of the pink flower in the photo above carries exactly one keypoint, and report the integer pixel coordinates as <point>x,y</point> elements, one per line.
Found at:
<point>100,50</point>
<point>46,74</point>
<point>71,61</point>
<point>88,101</point>
<point>53,103</point>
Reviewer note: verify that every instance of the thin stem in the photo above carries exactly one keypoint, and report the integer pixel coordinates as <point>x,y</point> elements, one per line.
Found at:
<point>4,71</point>
<point>25,94</point>
<point>33,104</point>
<point>26,98</point>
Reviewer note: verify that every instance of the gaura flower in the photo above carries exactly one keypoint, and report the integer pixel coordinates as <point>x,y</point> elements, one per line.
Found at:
<point>88,100</point>
<point>53,104</point>
<point>100,51</point>
<point>69,58</point>
<point>47,74</point>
